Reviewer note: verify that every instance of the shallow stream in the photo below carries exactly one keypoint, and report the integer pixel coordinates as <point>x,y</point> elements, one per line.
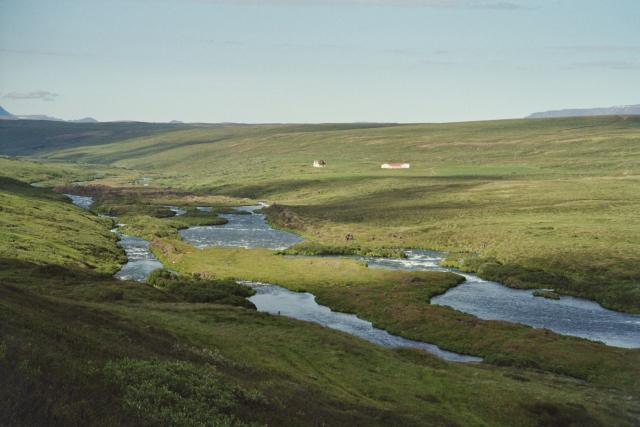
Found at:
<point>140,260</point>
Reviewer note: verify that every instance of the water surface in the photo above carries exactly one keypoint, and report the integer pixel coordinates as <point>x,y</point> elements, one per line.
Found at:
<point>84,202</point>
<point>494,301</point>
<point>140,260</point>
<point>303,306</point>
<point>482,298</point>
<point>245,231</point>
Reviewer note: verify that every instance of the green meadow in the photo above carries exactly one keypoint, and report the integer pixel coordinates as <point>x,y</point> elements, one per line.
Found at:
<point>531,203</point>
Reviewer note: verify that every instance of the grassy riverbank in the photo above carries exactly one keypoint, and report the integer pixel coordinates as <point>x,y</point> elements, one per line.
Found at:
<point>71,336</point>
<point>46,228</point>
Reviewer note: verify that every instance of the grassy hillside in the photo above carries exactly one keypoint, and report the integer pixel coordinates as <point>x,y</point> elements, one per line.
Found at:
<point>45,228</point>
<point>37,137</point>
<point>533,203</point>
<point>48,174</point>
<point>80,348</point>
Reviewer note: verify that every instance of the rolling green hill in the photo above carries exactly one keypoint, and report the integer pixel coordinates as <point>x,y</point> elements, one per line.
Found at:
<point>37,137</point>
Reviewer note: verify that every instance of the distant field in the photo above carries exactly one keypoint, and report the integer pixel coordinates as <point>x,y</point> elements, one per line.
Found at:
<point>553,202</point>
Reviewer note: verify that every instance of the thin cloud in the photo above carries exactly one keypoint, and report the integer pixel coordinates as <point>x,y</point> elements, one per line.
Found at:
<point>600,48</point>
<point>451,4</point>
<point>43,95</point>
<point>605,64</point>
<point>448,4</point>
<point>439,63</point>
<point>40,52</point>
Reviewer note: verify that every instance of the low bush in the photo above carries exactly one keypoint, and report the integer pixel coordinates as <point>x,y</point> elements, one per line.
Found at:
<point>193,288</point>
<point>177,393</point>
<point>318,249</point>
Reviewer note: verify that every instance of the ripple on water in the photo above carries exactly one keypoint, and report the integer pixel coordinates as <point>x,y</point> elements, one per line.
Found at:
<point>84,202</point>
<point>141,260</point>
<point>245,231</point>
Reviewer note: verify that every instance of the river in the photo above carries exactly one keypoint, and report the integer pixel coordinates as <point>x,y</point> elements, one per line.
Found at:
<point>140,260</point>
<point>251,230</point>
<point>482,298</point>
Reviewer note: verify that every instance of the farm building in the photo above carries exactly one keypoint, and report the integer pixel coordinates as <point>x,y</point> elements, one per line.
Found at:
<point>319,163</point>
<point>395,166</point>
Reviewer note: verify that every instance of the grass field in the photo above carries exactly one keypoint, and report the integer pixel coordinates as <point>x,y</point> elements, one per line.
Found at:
<point>78,347</point>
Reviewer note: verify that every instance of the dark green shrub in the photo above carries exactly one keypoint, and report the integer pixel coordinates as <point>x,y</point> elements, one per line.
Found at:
<point>193,288</point>
<point>318,249</point>
<point>177,393</point>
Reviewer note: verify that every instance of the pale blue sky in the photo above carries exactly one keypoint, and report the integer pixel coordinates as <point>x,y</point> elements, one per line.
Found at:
<point>316,61</point>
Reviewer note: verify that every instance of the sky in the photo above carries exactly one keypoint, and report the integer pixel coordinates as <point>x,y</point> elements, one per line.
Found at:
<point>261,61</point>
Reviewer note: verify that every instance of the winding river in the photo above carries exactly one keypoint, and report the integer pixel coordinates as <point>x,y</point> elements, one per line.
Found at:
<point>251,230</point>
<point>303,306</point>
<point>482,298</point>
<point>494,301</point>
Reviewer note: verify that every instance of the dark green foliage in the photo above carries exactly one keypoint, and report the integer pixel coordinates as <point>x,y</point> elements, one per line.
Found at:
<point>194,288</point>
<point>517,276</point>
<point>177,393</point>
<point>551,414</point>
<point>544,293</point>
<point>315,248</point>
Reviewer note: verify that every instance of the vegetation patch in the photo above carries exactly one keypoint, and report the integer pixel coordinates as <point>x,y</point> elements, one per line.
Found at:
<point>195,288</point>
<point>318,249</point>
<point>177,393</point>
<point>546,293</point>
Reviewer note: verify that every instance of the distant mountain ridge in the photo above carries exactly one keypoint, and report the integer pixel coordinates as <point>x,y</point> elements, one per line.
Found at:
<point>5,115</point>
<point>84,120</point>
<point>622,110</point>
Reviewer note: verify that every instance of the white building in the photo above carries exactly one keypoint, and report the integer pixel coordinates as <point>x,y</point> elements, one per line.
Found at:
<point>395,166</point>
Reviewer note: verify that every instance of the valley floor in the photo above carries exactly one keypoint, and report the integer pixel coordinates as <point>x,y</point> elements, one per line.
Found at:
<point>503,198</point>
